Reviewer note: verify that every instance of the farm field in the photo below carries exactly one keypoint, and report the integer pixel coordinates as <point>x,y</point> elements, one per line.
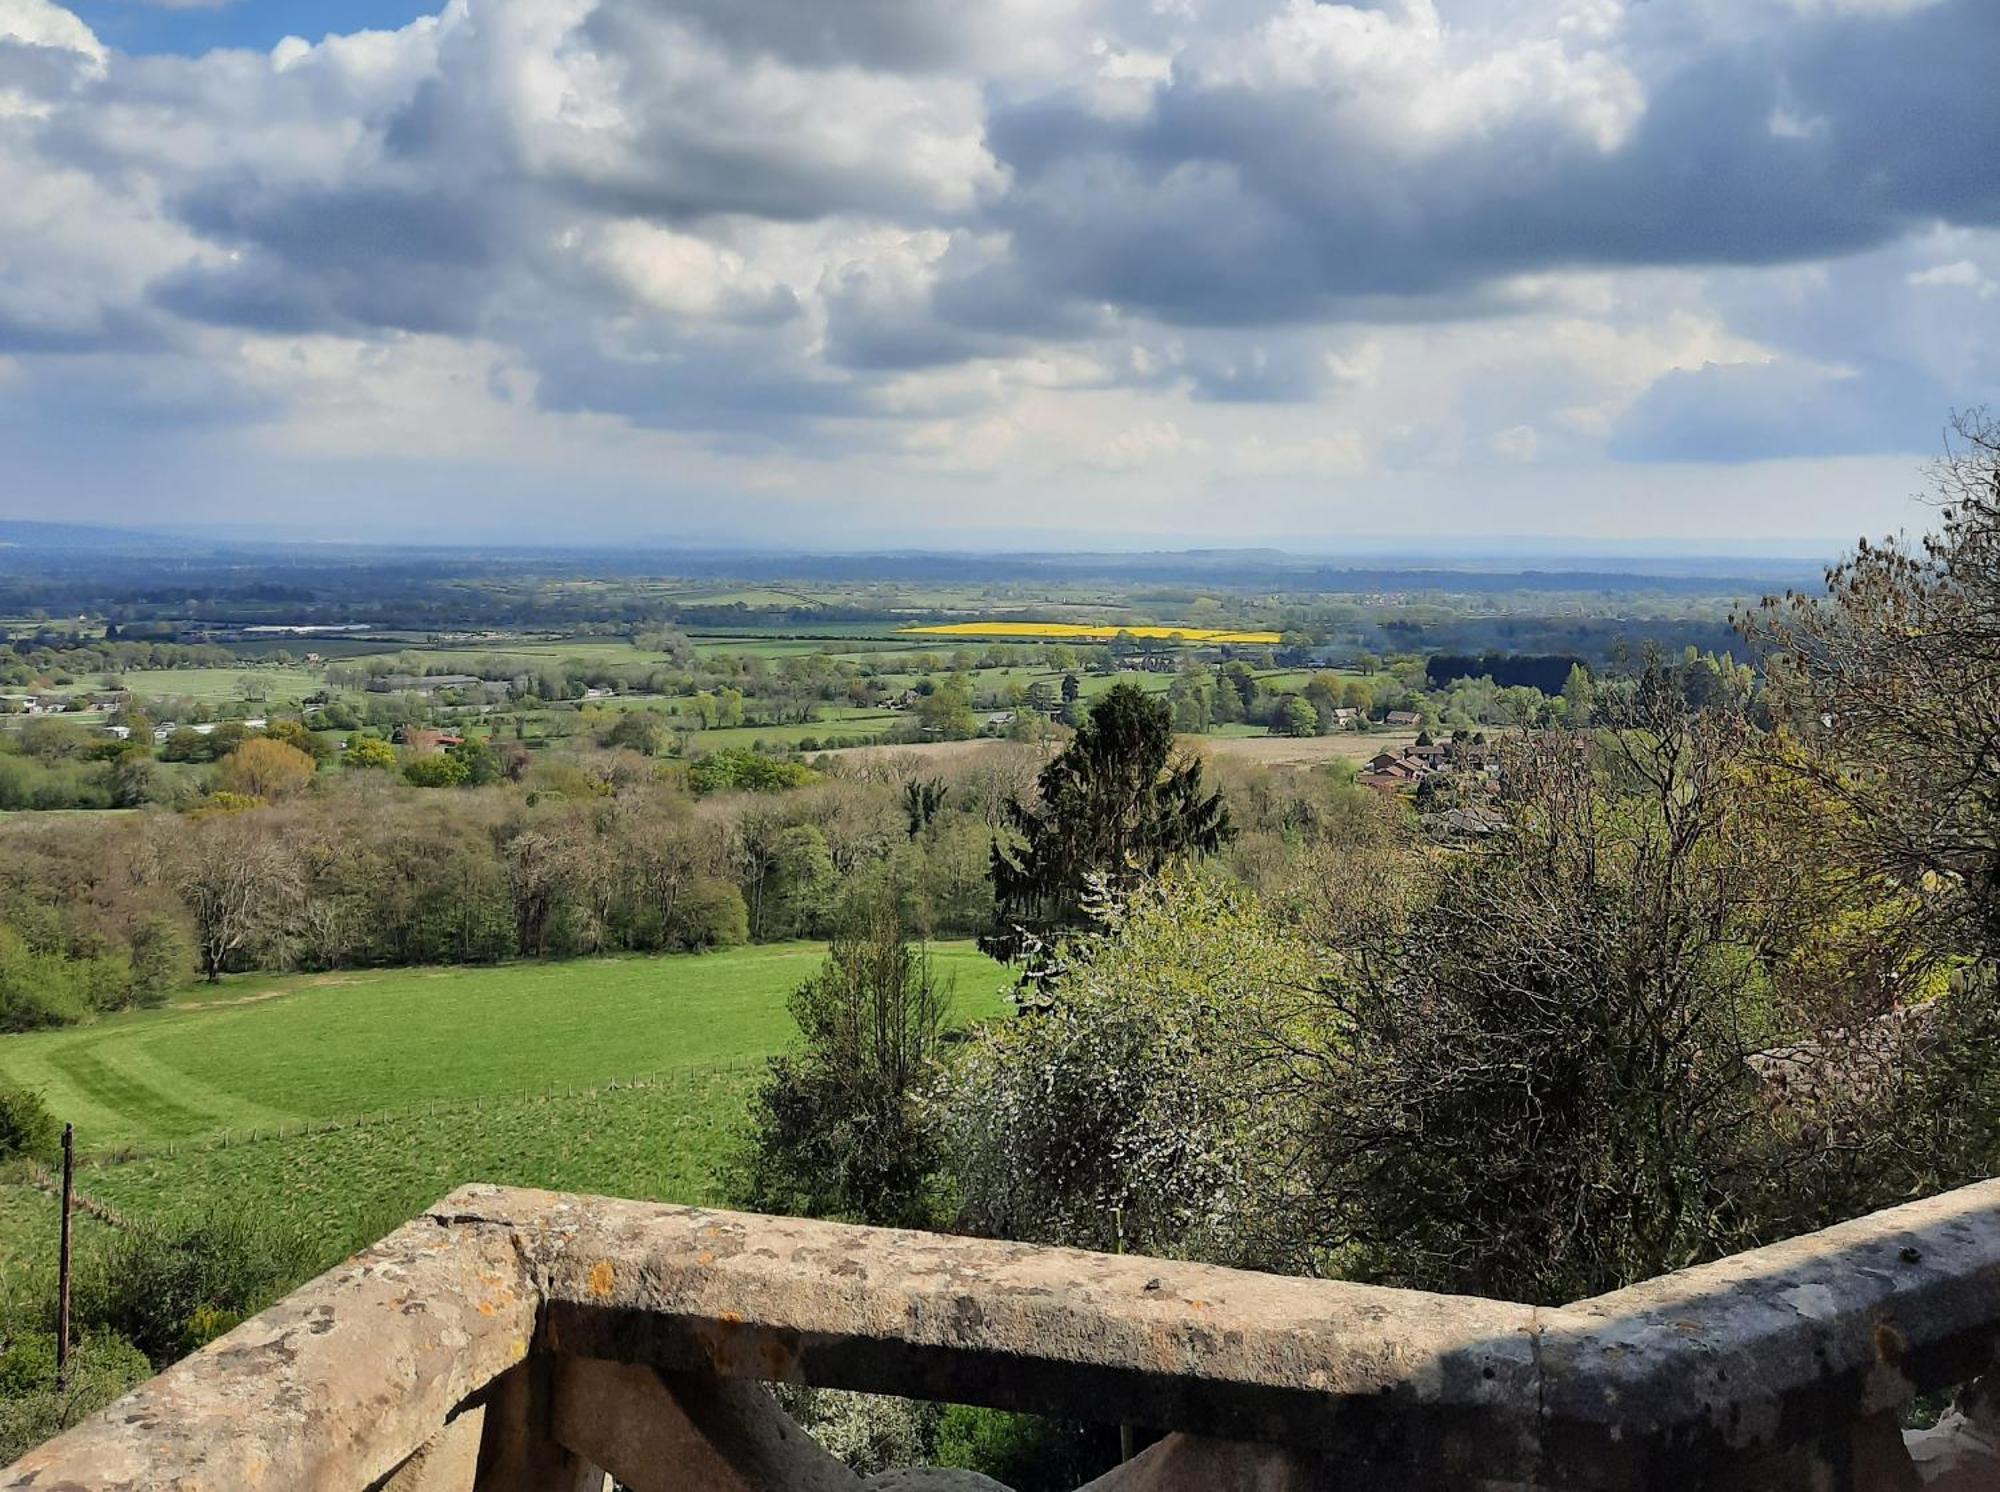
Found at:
<point>344,1186</point>
<point>272,684</point>
<point>830,723</point>
<point>1260,747</point>
<point>528,649</point>
<point>1089,632</point>
<point>264,1051</point>
<point>1292,751</point>
<point>347,1102</point>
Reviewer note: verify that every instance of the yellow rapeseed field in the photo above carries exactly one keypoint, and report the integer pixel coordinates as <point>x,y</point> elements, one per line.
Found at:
<point>1080,632</point>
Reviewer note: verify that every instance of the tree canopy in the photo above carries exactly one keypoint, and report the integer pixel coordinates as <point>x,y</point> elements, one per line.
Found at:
<point>1116,806</point>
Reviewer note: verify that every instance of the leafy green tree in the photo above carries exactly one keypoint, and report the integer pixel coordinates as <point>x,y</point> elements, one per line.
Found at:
<point>643,731</point>
<point>1190,699</point>
<point>841,1127</point>
<point>946,712</point>
<point>923,798</point>
<point>710,914</point>
<point>1242,678</point>
<point>1579,695</point>
<point>1297,718</point>
<point>1129,1116</point>
<point>481,762</point>
<point>739,769</point>
<point>438,769</point>
<point>804,883</point>
<point>185,745</point>
<point>135,779</point>
<point>1113,808</point>
<point>162,958</point>
<point>266,769</point>
<point>1072,686</point>
<point>369,753</point>
<point>294,734</point>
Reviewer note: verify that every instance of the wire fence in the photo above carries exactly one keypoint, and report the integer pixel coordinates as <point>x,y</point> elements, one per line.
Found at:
<point>43,1179</point>
<point>434,1108</point>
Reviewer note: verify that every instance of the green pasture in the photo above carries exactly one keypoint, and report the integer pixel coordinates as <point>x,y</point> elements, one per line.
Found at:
<point>608,651</point>
<point>346,1103</point>
<point>276,685</point>
<point>268,1051</point>
<point>858,723</point>
<point>840,639</point>
<point>345,1185</point>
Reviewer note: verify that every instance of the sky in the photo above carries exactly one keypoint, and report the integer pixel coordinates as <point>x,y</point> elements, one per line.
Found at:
<point>1116,273</point>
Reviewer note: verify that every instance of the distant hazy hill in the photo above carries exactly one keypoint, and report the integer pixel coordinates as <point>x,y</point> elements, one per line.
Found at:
<point>20,537</point>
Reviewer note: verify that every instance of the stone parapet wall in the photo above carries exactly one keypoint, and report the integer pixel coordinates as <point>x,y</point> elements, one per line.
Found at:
<point>515,1340</point>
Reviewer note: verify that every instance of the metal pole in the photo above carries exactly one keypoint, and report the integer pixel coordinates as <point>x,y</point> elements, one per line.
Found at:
<point>62,1266</point>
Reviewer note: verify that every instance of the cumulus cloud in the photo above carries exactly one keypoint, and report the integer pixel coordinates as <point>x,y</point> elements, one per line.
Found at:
<point>1507,232</point>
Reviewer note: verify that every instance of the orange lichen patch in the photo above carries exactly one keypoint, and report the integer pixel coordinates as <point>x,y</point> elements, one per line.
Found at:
<point>603,1278</point>
<point>1889,1344</point>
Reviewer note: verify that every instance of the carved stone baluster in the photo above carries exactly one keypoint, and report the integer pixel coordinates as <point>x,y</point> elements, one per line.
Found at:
<point>518,1451</point>
<point>448,1462</point>
<point>677,1432</point>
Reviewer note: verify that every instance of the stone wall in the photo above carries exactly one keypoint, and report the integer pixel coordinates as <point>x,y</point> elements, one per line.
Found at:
<point>515,1340</point>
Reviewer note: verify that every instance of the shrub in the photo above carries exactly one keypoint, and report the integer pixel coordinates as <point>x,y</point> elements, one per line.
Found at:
<point>102,1366</point>
<point>1022,1451</point>
<point>368,753</point>
<point>27,1128</point>
<point>171,1288</point>
<point>439,770</point>
<point>712,914</point>
<point>39,989</point>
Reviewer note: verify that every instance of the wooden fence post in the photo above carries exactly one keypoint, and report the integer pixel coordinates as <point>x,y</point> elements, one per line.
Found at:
<point>62,1262</point>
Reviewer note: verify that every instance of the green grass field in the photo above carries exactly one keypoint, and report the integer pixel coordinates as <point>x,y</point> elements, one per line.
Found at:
<point>864,723</point>
<point>277,686</point>
<point>347,1102</point>
<point>344,1186</point>
<point>268,1051</point>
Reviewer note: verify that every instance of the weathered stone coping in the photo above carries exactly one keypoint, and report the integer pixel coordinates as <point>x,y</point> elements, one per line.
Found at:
<point>331,1389</point>
<point>1758,1371</point>
<point>1398,1374</point>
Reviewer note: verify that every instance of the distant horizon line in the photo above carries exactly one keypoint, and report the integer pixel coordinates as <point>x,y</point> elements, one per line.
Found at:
<point>1373,548</point>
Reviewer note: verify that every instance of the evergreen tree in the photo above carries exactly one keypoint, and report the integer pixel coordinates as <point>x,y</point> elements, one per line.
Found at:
<point>1115,807</point>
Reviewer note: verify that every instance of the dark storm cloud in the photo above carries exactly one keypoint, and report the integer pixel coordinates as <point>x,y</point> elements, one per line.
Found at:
<point>357,258</point>
<point>1231,202</point>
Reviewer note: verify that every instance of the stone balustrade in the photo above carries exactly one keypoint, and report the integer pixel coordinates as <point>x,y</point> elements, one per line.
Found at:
<point>515,1340</point>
